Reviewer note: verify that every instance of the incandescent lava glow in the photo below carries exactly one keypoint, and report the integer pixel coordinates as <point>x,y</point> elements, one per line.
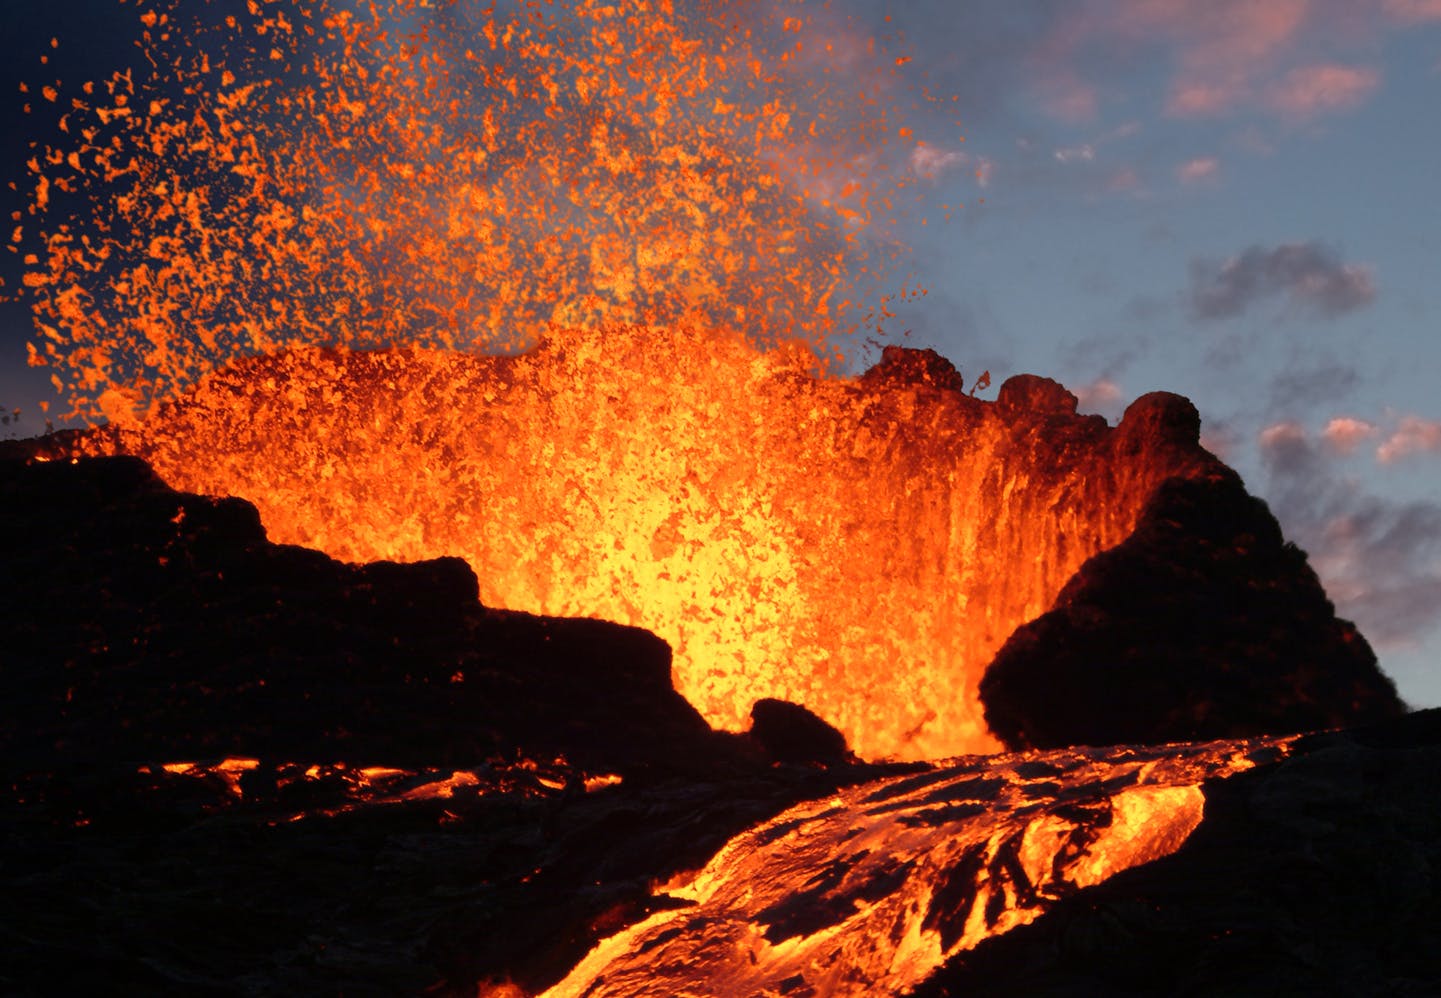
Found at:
<point>860,546</point>
<point>289,236</point>
<point>449,172</point>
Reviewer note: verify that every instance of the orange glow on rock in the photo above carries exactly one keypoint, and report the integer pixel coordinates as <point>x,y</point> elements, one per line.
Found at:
<point>860,546</point>
<point>684,218</point>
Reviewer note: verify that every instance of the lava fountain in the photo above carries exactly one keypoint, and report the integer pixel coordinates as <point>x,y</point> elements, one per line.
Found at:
<point>625,182</point>
<point>564,289</point>
<point>860,546</point>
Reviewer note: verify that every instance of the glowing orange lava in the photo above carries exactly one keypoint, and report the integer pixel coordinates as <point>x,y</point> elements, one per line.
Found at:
<point>862,547</point>
<point>682,206</point>
<point>444,172</point>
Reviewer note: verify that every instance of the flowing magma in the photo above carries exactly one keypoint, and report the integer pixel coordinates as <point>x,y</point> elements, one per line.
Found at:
<point>860,545</point>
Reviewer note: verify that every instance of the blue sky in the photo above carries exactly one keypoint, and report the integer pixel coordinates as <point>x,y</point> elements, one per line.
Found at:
<point>1234,200</point>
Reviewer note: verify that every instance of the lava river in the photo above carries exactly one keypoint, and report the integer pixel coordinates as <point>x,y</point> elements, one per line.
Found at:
<point>870,890</point>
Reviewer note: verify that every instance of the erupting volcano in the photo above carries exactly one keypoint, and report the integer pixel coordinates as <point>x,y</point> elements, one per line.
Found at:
<point>559,306</point>
<point>859,546</point>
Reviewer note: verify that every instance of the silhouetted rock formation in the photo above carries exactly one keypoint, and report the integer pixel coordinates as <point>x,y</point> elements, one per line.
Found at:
<point>141,623</point>
<point>1028,394</point>
<point>1202,624</point>
<point>1316,875</point>
<point>862,546</point>
<point>787,732</point>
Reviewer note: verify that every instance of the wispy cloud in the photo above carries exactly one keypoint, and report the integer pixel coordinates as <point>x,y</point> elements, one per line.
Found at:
<point>1306,383</point>
<point>1081,153</point>
<point>1413,11</point>
<point>1380,559</point>
<point>931,161</point>
<point>1221,57</point>
<point>1308,91</point>
<point>1102,396</point>
<point>1413,435</point>
<point>1309,274</point>
<point>1343,434</point>
<point>1195,171</point>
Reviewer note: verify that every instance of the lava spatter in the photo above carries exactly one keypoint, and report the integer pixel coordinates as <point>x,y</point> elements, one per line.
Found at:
<point>278,174</point>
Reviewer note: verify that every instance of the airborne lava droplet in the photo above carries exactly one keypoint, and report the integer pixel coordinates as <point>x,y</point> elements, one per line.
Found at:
<point>451,174</point>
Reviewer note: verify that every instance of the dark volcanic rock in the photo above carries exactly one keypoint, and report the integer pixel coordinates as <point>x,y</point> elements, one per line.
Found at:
<point>144,626</point>
<point>141,623</point>
<point>1317,875</point>
<point>1033,393</point>
<point>1202,624</point>
<point>788,732</point>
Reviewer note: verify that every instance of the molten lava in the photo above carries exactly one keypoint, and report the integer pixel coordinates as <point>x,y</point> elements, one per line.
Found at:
<point>442,172</point>
<point>868,892</point>
<point>860,546</point>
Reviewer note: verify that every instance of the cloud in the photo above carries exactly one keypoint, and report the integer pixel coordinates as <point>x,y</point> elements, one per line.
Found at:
<point>1412,435</point>
<point>1071,100</point>
<point>1081,153</point>
<point>1220,438</point>
<point>1123,178</point>
<point>1194,171</point>
<point>1308,91</point>
<point>1344,434</point>
<point>1413,11</point>
<point>1308,273</point>
<point>1102,395</point>
<point>1306,384</point>
<point>1220,57</point>
<point>1285,447</point>
<point>1379,558</point>
<point>1216,49</point>
<point>930,161</point>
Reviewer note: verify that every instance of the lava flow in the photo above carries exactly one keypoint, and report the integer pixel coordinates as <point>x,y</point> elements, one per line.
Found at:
<point>870,891</point>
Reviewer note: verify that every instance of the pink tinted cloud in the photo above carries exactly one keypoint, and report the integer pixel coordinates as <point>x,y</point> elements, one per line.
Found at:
<point>1344,434</point>
<point>1196,171</point>
<point>1220,47</point>
<point>1068,98</point>
<point>1225,55</point>
<point>1123,178</point>
<point>1308,91</point>
<point>1413,435</point>
<point>1101,395</point>
<point>1283,435</point>
<point>1413,11</point>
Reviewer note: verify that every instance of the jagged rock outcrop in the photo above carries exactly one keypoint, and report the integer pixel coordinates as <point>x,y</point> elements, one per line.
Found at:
<point>862,547</point>
<point>902,367</point>
<point>141,623</point>
<point>1203,623</point>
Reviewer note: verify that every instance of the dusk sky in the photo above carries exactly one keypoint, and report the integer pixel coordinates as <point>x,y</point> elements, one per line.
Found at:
<point>1232,199</point>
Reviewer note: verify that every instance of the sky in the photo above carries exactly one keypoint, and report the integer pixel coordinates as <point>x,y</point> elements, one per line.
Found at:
<point>1233,200</point>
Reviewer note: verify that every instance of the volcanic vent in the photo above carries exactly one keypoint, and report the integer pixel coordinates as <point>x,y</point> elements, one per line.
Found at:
<point>861,546</point>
